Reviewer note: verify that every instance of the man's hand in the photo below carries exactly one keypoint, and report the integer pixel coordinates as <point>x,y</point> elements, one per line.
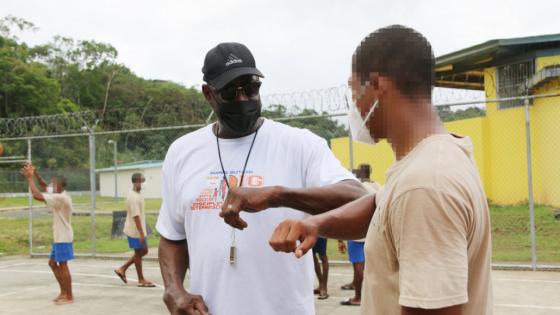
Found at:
<point>341,247</point>
<point>142,240</point>
<point>288,233</point>
<point>183,303</point>
<point>245,199</point>
<point>28,170</point>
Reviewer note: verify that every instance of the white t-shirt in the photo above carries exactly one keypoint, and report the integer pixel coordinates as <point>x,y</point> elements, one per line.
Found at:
<point>61,207</point>
<point>261,281</point>
<point>134,207</point>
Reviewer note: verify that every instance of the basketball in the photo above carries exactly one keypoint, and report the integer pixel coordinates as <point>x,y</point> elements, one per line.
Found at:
<point>1,149</point>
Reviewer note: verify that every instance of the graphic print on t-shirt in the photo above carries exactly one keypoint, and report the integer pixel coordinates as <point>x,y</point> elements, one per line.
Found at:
<point>213,196</point>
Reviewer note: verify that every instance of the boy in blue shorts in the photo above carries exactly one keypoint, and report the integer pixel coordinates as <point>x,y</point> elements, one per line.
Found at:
<point>356,248</point>
<point>60,203</point>
<point>135,230</point>
<point>320,253</point>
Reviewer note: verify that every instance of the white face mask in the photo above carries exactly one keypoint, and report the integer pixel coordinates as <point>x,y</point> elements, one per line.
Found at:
<point>358,128</point>
<point>50,189</point>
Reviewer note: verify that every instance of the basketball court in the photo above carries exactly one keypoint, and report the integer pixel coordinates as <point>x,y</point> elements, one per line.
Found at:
<point>28,287</point>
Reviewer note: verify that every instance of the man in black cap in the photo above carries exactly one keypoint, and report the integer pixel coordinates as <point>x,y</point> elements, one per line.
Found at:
<point>243,162</point>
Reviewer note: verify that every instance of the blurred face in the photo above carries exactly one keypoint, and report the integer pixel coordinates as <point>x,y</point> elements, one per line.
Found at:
<point>365,96</point>
<point>137,184</point>
<point>55,186</point>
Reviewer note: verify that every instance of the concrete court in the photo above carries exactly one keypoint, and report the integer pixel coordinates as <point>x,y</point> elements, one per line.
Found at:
<point>28,287</point>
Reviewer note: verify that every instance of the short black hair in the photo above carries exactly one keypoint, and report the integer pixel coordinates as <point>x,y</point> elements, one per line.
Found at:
<point>62,180</point>
<point>137,176</point>
<point>365,168</point>
<point>400,53</point>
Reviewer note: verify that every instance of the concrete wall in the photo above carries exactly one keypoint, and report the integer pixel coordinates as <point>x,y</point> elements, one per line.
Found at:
<point>151,188</point>
<point>500,148</point>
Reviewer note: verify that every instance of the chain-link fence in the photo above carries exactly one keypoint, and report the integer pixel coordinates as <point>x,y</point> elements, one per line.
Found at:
<point>515,137</point>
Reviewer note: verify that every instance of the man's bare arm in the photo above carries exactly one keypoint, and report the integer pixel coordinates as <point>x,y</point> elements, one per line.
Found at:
<point>319,199</point>
<point>138,224</point>
<point>34,190</point>
<point>173,262</point>
<point>41,181</point>
<point>310,200</point>
<point>350,221</point>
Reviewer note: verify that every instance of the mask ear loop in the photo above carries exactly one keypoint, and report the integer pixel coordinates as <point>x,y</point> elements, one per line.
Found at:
<point>371,110</point>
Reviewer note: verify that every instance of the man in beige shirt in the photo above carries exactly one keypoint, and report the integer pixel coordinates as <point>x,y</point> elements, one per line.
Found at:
<point>428,245</point>
<point>135,230</point>
<point>355,248</point>
<point>60,203</point>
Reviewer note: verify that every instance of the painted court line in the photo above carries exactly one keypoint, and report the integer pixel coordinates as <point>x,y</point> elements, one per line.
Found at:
<point>540,307</point>
<point>22,291</point>
<point>15,265</point>
<point>108,267</point>
<point>341,274</point>
<point>82,265</point>
<point>528,280</point>
<point>116,286</point>
<point>75,274</point>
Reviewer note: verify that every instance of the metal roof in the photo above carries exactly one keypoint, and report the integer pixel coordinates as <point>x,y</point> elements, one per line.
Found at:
<point>464,68</point>
<point>132,166</point>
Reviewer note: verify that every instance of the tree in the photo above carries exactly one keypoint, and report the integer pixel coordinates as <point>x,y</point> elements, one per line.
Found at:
<point>25,86</point>
<point>446,114</point>
<point>8,23</point>
<point>324,127</point>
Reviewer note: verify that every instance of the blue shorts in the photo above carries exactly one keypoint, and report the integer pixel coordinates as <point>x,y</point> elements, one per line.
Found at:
<point>62,252</point>
<point>320,247</point>
<point>135,243</point>
<point>356,252</point>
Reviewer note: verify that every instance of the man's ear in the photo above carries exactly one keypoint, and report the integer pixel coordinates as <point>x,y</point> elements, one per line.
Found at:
<point>380,84</point>
<point>373,80</point>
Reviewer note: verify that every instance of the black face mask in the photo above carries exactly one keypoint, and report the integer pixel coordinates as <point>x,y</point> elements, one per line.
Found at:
<point>239,117</point>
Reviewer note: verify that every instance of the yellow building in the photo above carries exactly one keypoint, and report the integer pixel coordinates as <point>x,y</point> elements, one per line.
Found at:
<point>503,69</point>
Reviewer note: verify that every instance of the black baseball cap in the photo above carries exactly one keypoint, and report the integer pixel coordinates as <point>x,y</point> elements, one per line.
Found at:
<point>226,62</point>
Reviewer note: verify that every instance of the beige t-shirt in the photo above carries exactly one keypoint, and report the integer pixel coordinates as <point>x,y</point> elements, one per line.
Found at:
<point>428,245</point>
<point>61,207</point>
<point>134,207</point>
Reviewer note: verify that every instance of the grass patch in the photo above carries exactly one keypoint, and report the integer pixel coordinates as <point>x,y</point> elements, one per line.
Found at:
<point>511,241</point>
<point>510,235</point>
<point>14,235</point>
<point>83,202</point>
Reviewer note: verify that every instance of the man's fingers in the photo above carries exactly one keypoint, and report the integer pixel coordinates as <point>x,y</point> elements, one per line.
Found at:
<point>295,234</point>
<point>230,213</point>
<point>200,306</point>
<point>277,241</point>
<point>307,243</point>
<point>237,222</point>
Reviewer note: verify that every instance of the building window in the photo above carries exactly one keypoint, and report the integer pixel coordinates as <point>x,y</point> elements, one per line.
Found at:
<point>512,82</point>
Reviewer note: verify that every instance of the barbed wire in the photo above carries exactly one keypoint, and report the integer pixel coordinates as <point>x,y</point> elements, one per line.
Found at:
<point>331,100</point>
<point>505,84</point>
<point>45,124</point>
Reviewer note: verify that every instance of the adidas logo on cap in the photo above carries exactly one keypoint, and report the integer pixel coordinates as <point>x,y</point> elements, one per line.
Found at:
<point>231,59</point>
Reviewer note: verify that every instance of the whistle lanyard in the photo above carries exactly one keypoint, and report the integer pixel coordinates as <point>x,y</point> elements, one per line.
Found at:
<point>232,249</point>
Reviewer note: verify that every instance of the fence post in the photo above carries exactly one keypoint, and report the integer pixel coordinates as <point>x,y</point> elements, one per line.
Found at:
<point>30,202</point>
<point>530,186</point>
<point>92,182</point>
<point>350,140</point>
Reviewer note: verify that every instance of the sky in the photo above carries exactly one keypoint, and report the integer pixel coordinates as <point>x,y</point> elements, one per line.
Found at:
<point>298,45</point>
